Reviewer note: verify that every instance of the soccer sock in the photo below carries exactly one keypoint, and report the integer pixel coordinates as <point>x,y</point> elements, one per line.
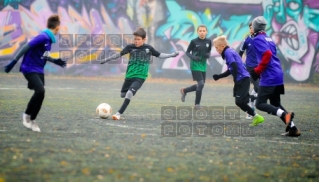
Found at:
<point>279,112</point>
<point>292,124</point>
<point>124,105</point>
<point>190,89</point>
<point>198,97</point>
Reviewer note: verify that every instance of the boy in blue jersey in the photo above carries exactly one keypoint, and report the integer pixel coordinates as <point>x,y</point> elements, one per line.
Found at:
<point>241,77</point>
<point>36,54</point>
<point>269,71</point>
<point>198,51</point>
<point>251,63</point>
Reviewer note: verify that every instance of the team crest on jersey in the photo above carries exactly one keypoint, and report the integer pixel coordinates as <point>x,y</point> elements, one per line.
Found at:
<point>207,45</point>
<point>147,51</point>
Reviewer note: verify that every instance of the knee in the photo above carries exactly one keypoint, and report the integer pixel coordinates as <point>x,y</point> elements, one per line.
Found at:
<point>40,91</point>
<point>123,94</point>
<point>129,95</point>
<point>239,102</point>
<point>200,85</point>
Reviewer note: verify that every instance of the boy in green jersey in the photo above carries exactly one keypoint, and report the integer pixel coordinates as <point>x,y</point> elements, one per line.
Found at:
<point>137,68</point>
<point>198,51</point>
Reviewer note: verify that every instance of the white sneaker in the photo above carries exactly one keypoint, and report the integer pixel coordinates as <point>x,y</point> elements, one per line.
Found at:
<point>116,116</point>
<point>34,126</point>
<point>26,120</point>
<point>248,116</point>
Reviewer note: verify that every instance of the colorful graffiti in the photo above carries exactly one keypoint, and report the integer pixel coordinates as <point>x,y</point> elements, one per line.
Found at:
<point>170,24</point>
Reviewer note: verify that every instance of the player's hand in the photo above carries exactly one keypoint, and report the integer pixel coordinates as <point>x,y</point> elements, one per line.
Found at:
<point>254,75</point>
<point>216,77</point>
<point>9,66</point>
<point>60,62</point>
<point>174,54</point>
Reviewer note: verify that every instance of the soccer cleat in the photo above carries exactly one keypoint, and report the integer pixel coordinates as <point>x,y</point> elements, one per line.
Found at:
<point>183,95</point>
<point>248,116</point>
<point>287,118</point>
<point>34,126</point>
<point>116,116</point>
<point>26,120</point>
<point>198,107</point>
<point>293,132</point>
<point>257,120</point>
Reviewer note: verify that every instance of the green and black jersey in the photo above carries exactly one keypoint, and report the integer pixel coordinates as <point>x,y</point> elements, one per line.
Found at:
<point>199,47</point>
<point>139,60</point>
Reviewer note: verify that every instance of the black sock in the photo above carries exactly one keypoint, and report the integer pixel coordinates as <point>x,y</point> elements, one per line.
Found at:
<point>124,105</point>
<point>190,89</point>
<point>198,97</point>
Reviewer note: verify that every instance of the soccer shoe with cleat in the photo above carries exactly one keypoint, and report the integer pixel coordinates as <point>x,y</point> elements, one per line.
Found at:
<point>293,132</point>
<point>248,116</point>
<point>183,95</point>
<point>116,116</point>
<point>34,126</point>
<point>287,118</point>
<point>26,120</point>
<point>257,120</point>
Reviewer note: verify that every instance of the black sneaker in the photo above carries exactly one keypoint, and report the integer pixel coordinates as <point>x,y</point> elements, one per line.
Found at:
<point>293,132</point>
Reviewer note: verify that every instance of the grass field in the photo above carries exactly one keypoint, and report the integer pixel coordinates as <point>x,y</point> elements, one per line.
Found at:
<point>75,145</point>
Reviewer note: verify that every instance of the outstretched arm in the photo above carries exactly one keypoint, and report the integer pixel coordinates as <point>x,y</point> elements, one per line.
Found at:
<point>16,58</point>
<point>164,55</point>
<point>114,56</point>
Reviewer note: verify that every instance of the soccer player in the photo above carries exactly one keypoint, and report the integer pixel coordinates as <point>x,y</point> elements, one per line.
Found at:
<point>237,69</point>
<point>251,63</point>
<point>198,51</point>
<point>36,54</point>
<point>269,70</point>
<point>137,68</point>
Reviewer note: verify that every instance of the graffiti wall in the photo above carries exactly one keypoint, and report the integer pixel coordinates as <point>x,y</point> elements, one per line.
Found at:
<point>94,29</point>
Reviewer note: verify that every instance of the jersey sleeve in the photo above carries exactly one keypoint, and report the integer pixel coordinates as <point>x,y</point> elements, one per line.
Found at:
<point>209,46</point>
<point>243,45</point>
<point>154,52</point>
<point>38,40</point>
<point>190,47</point>
<point>260,46</point>
<point>126,50</point>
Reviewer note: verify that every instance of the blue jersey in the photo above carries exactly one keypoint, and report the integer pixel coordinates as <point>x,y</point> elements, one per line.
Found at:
<point>32,61</point>
<point>231,56</point>
<point>273,74</point>
<point>246,45</point>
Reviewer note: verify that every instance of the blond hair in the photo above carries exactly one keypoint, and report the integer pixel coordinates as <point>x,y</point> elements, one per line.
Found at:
<point>221,40</point>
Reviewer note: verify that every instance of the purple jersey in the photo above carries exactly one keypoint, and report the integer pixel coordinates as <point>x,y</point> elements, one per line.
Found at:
<point>232,56</point>
<point>32,61</point>
<point>251,60</point>
<point>273,74</point>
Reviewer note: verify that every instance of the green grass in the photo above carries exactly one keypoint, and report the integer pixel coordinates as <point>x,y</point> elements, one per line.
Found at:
<point>75,145</point>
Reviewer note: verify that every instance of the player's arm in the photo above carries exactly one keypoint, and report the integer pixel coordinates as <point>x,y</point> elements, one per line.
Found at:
<point>17,57</point>
<point>190,47</point>
<point>162,55</point>
<point>46,55</point>
<point>207,55</point>
<point>242,48</point>
<point>115,56</point>
<point>260,46</point>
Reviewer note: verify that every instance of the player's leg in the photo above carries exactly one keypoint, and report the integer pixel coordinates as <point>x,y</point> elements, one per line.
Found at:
<point>200,85</point>
<point>192,88</point>
<point>36,83</point>
<point>242,97</point>
<point>126,85</point>
<point>285,116</point>
<point>135,86</point>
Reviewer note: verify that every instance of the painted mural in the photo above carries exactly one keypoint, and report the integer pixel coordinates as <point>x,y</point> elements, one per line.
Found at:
<point>94,29</point>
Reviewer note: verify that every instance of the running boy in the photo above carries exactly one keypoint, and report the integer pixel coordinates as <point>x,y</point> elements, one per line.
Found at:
<point>241,76</point>
<point>137,68</point>
<point>251,63</point>
<point>271,77</point>
<point>198,51</point>
<point>36,54</point>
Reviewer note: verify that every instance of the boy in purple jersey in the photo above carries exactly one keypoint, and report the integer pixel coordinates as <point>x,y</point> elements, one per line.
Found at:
<point>36,54</point>
<point>241,77</point>
<point>251,63</point>
<point>269,70</point>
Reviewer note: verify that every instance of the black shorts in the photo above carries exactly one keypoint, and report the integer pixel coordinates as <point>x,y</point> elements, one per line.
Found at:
<point>199,75</point>
<point>132,84</point>
<point>241,89</point>
<point>269,91</point>
<point>34,80</point>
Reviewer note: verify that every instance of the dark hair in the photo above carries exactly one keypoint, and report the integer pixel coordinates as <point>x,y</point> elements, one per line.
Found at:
<point>140,32</point>
<point>53,21</point>
<point>204,26</point>
<point>250,24</point>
